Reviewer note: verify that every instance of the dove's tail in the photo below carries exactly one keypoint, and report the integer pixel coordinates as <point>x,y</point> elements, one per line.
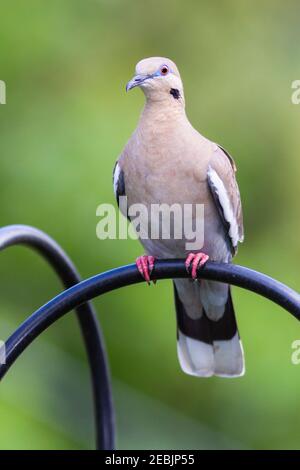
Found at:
<point>207,346</point>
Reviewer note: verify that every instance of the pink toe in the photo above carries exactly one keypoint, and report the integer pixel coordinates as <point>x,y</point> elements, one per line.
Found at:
<point>138,263</point>
<point>194,268</point>
<point>145,268</point>
<point>188,261</point>
<point>203,260</point>
<point>151,261</point>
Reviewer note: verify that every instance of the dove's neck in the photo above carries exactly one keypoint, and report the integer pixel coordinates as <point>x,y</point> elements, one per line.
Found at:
<point>158,114</point>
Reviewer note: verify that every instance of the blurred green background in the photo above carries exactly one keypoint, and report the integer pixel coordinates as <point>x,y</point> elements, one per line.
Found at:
<point>67,117</point>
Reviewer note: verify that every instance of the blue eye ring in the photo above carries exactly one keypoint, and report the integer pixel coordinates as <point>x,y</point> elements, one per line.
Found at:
<point>164,70</point>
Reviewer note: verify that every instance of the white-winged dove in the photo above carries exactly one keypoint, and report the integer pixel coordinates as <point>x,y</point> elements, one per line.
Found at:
<point>167,161</point>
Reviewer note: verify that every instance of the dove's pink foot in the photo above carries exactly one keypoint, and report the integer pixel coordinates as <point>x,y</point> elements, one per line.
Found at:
<point>195,261</point>
<point>145,265</point>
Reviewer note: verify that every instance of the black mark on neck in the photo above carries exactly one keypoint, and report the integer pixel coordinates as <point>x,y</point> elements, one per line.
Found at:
<point>175,93</point>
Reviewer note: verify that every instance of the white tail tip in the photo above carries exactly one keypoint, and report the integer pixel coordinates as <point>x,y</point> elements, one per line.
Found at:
<point>225,358</point>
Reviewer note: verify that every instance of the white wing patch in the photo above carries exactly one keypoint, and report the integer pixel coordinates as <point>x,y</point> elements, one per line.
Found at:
<point>225,203</point>
<point>116,177</point>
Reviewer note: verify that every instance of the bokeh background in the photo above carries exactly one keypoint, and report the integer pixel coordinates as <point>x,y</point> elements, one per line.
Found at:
<point>67,117</point>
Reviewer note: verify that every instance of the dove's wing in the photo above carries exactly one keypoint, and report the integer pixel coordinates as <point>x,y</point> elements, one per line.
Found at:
<point>225,192</point>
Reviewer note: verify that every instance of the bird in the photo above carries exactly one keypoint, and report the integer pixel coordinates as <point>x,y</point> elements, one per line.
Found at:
<point>166,160</point>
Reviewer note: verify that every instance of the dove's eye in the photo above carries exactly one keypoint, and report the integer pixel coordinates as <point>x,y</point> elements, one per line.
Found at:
<point>164,70</point>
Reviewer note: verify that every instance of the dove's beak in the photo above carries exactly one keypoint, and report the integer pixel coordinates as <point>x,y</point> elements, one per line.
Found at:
<point>137,81</point>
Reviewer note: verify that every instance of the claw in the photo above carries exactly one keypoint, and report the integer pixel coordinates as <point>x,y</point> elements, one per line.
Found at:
<point>195,261</point>
<point>145,265</point>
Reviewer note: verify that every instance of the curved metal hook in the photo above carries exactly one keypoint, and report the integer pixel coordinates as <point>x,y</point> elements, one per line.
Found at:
<point>63,266</point>
<point>127,275</point>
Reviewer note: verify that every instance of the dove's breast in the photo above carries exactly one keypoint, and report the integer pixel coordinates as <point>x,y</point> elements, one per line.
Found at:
<point>159,173</point>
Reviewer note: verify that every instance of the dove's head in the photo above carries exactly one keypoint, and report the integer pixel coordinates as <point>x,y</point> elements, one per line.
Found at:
<point>159,79</point>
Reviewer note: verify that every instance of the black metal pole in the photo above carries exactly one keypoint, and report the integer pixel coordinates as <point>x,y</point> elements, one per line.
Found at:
<point>63,266</point>
<point>127,275</point>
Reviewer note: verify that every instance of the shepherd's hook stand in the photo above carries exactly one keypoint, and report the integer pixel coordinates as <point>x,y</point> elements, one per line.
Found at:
<point>76,297</point>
